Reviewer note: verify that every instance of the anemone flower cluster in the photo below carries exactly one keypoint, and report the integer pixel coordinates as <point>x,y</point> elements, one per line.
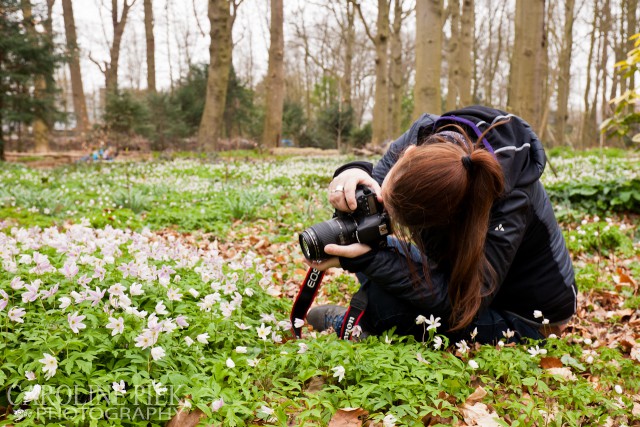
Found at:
<point>130,308</point>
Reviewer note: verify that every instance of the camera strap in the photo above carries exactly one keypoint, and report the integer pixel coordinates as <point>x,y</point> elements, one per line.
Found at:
<point>307,294</point>
<point>352,317</point>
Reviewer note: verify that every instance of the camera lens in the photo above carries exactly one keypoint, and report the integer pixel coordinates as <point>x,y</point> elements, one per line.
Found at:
<point>340,231</point>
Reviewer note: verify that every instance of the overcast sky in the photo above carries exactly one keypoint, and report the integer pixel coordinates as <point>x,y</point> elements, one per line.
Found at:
<point>176,26</point>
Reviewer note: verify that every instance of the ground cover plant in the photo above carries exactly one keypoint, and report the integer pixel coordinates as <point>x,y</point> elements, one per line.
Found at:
<point>132,291</point>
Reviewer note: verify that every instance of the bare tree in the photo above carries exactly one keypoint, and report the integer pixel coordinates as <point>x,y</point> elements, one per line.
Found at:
<point>453,64</point>
<point>492,50</point>
<point>41,129</point>
<point>133,66</point>
<point>118,22</point>
<point>427,93</point>
<point>336,61</point>
<point>77,88</point>
<point>380,122</point>
<point>606,27</point>
<point>631,8</point>
<point>321,62</point>
<point>168,29</point>
<point>396,69</point>
<point>465,57</point>
<point>222,15</point>
<point>349,45</point>
<point>587,125</point>
<point>151,45</point>
<point>527,77</point>
<point>564,71</point>
<point>272,132</point>
<point>344,15</point>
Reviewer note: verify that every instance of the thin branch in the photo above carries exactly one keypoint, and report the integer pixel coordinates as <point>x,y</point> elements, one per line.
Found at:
<point>364,22</point>
<point>301,33</point>
<point>125,9</point>
<point>408,12</point>
<point>195,13</point>
<point>235,4</point>
<point>100,67</point>
<point>104,30</point>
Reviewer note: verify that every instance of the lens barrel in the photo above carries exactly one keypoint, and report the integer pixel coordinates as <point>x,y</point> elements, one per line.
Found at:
<point>339,230</point>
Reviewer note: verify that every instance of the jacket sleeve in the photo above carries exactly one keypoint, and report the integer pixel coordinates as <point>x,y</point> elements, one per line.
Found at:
<point>387,268</point>
<point>507,227</point>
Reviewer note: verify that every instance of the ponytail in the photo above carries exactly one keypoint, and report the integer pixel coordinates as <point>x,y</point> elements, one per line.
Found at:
<point>470,268</point>
<point>449,187</point>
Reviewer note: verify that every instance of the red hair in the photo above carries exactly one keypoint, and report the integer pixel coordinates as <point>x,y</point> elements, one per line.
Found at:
<point>448,187</point>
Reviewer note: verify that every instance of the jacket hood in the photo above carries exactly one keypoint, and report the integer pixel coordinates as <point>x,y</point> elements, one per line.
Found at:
<point>513,143</point>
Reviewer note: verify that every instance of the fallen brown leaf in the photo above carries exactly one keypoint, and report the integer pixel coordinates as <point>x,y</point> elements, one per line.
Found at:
<point>626,278</point>
<point>550,362</point>
<point>478,414</point>
<point>348,417</point>
<point>186,419</point>
<point>478,394</point>
<point>627,343</point>
<point>315,385</point>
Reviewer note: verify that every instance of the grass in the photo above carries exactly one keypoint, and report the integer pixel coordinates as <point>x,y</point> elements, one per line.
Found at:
<point>240,205</point>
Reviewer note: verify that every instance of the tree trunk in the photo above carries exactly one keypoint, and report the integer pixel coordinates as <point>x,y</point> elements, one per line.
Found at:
<point>77,88</point>
<point>111,69</point>
<point>587,126</point>
<point>2,156</point>
<point>453,56</point>
<point>605,29</point>
<point>210,129</point>
<point>427,98</point>
<point>349,45</point>
<point>272,133</point>
<point>465,61</point>
<point>564,71</point>
<point>526,82</point>
<point>632,28</point>
<point>380,121</point>
<point>40,126</point>
<point>395,73</point>
<point>151,46</point>
<point>41,132</point>
<point>488,45</point>
<point>548,76</point>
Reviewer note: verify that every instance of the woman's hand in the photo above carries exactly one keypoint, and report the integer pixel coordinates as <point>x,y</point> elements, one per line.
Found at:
<point>342,190</point>
<point>348,251</point>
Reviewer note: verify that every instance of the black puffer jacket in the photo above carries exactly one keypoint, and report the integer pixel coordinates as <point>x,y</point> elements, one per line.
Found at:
<point>524,243</point>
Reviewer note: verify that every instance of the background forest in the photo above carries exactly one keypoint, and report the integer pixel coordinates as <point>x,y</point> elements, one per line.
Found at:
<point>329,74</point>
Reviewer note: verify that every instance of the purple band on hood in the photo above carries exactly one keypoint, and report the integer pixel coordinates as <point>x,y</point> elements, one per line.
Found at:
<point>470,124</point>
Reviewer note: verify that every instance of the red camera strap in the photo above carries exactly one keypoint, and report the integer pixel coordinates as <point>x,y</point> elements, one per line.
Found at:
<point>306,295</point>
<point>353,315</point>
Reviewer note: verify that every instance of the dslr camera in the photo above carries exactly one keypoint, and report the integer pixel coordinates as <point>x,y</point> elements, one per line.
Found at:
<point>368,224</point>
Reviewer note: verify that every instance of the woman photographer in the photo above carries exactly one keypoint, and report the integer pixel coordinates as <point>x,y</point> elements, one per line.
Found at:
<point>477,243</point>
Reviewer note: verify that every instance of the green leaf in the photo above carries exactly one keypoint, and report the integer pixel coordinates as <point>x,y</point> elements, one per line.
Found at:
<point>84,365</point>
<point>568,360</point>
<point>625,196</point>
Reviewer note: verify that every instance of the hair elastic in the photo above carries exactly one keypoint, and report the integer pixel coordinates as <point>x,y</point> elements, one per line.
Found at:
<point>467,163</point>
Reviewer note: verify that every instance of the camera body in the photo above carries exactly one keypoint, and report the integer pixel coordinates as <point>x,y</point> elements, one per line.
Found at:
<point>368,224</point>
